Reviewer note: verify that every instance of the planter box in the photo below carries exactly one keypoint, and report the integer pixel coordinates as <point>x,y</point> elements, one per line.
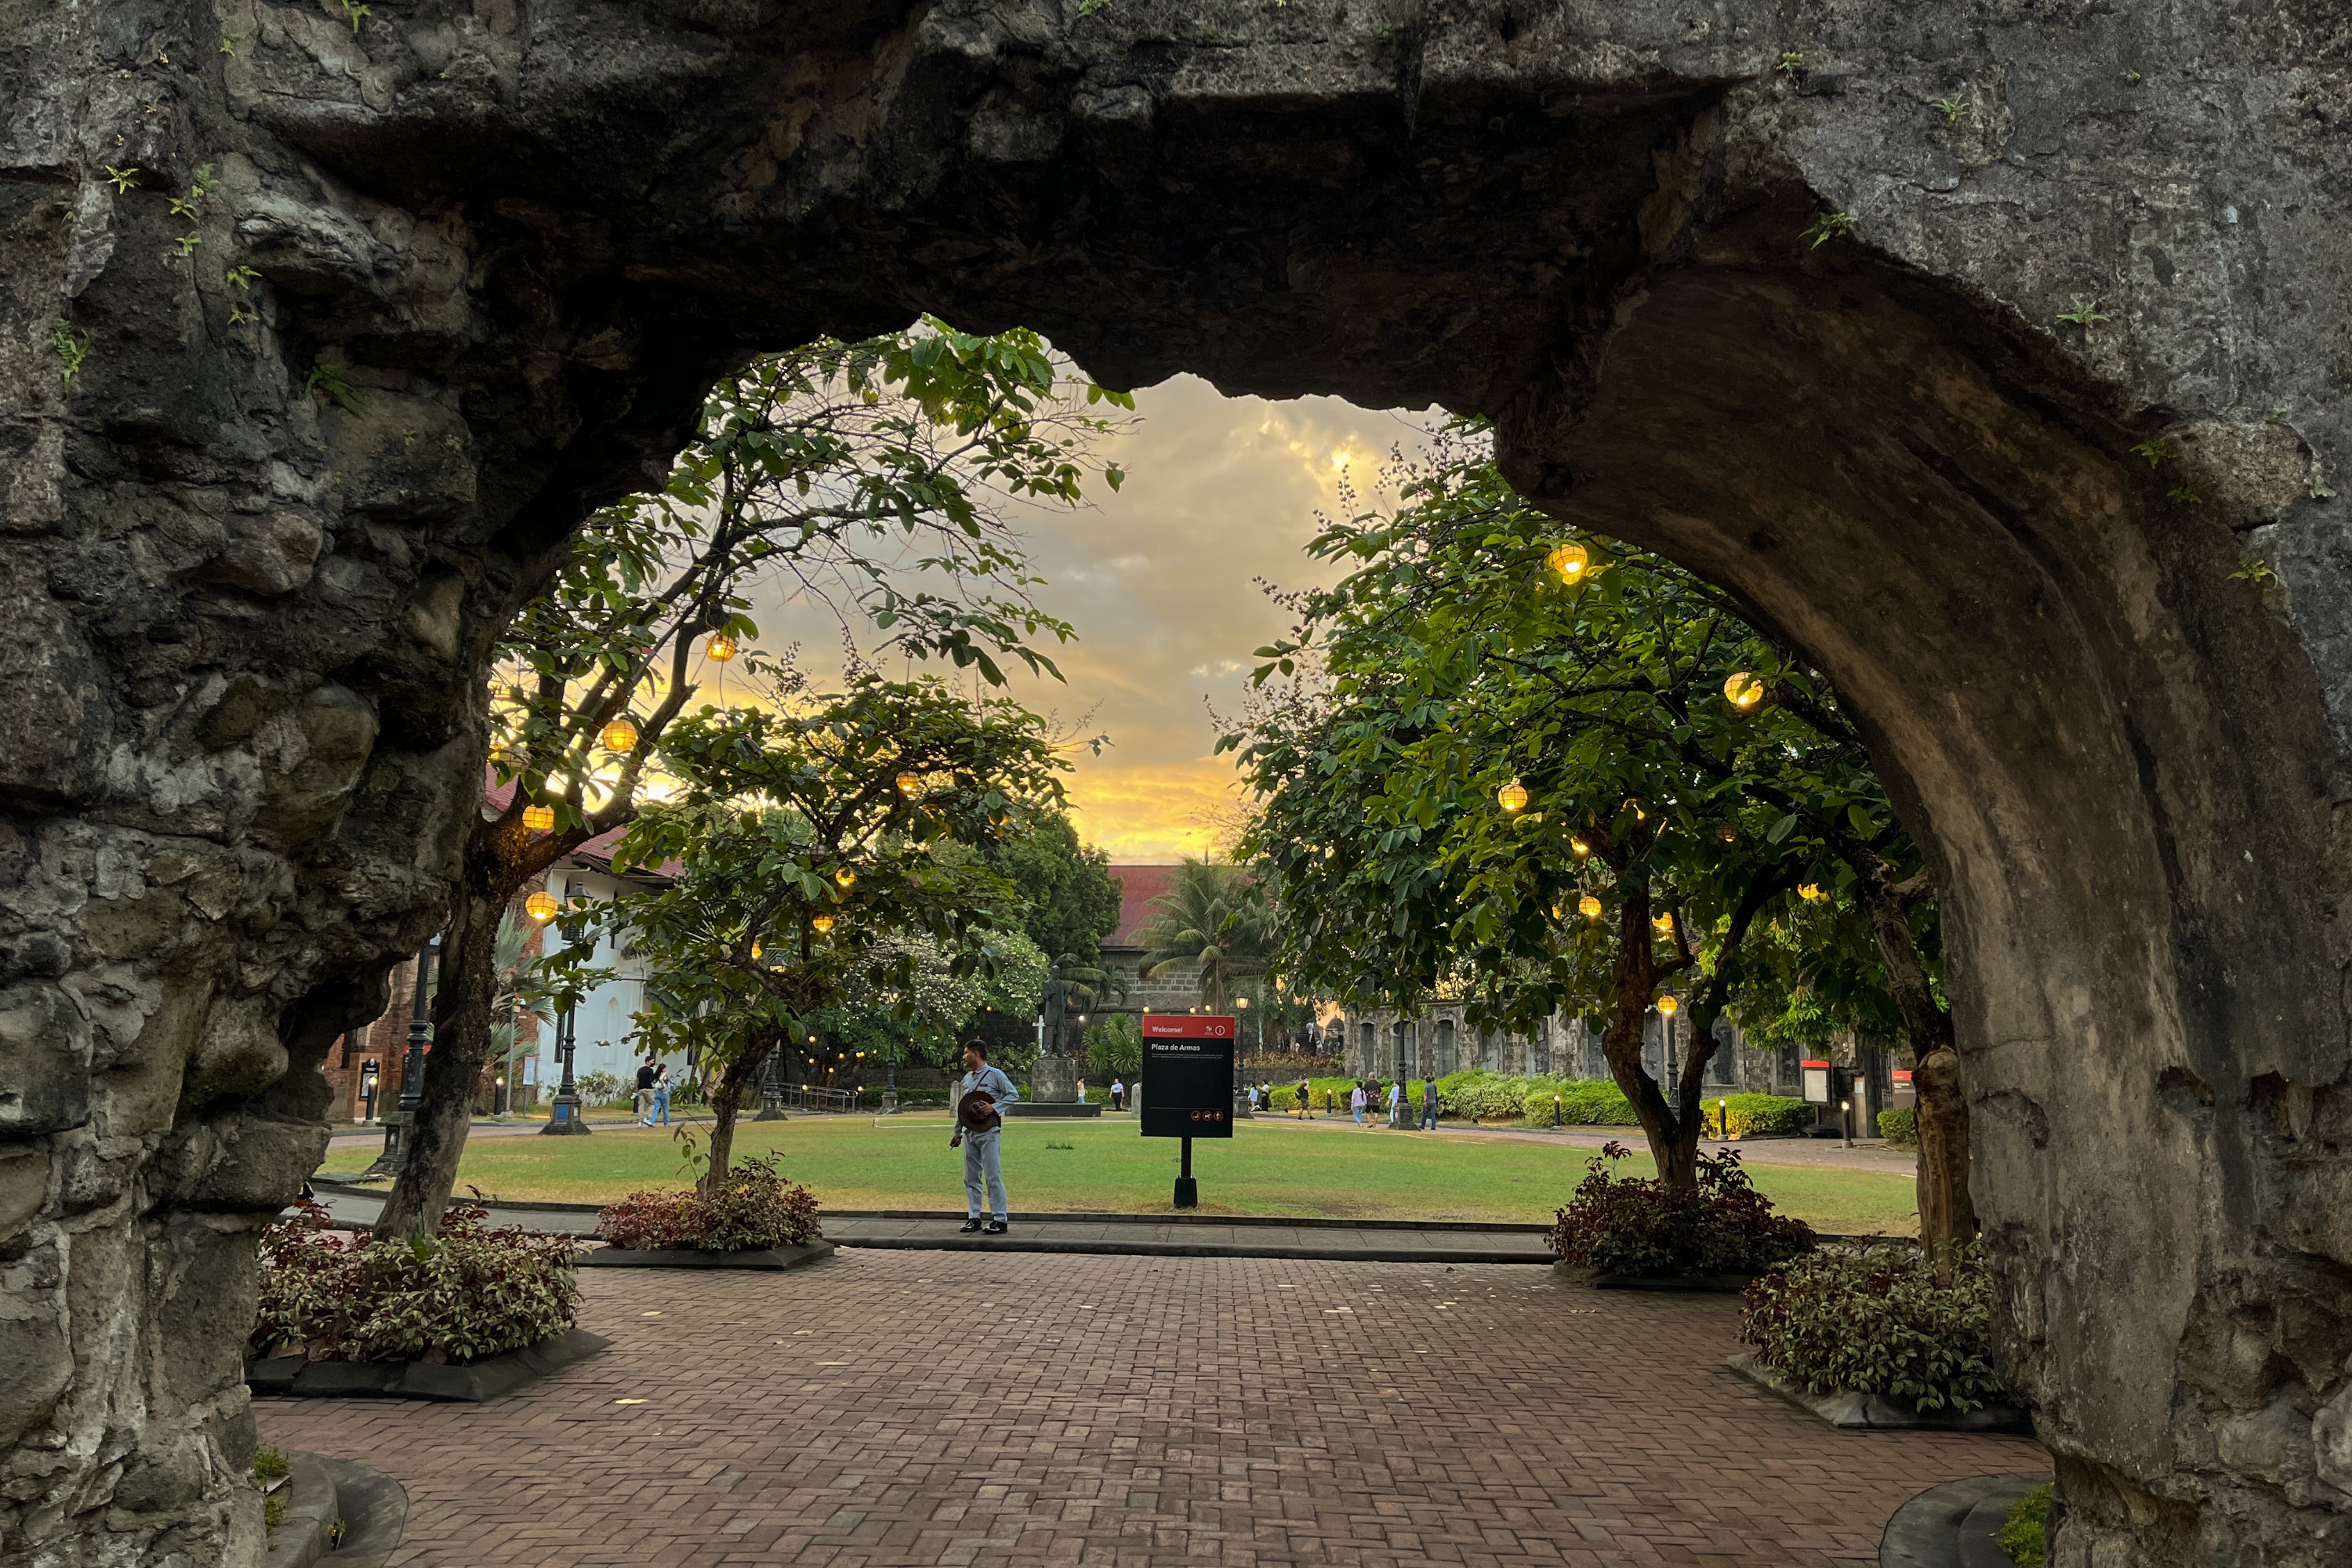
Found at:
<point>769,1257</point>
<point>1876,1412</point>
<point>490,1378</point>
<point>1578,1274</point>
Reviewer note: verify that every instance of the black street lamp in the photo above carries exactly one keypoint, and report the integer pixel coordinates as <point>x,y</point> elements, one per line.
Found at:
<point>772,1089</point>
<point>564,1117</point>
<point>412,1068</point>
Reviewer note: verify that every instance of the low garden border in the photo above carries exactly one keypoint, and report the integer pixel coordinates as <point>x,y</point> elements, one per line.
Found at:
<point>767,1257</point>
<point>1875,1412</point>
<point>492,1377</point>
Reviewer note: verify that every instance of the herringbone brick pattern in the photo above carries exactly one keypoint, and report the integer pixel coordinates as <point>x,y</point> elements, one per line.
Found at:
<point>920,1408</point>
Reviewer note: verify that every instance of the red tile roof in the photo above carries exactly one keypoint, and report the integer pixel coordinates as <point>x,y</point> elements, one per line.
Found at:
<point>1138,885</point>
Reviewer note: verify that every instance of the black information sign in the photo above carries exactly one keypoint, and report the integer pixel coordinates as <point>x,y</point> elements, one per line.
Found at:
<point>1188,1077</point>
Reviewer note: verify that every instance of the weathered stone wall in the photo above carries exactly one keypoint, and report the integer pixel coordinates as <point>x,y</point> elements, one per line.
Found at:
<point>248,598</point>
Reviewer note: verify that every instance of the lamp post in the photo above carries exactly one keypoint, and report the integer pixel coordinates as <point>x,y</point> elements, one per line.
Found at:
<point>564,1117</point>
<point>412,1069</point>
<point>772,1089</point>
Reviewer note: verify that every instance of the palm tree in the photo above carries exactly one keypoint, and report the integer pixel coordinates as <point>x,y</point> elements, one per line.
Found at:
<point>1213,917</point>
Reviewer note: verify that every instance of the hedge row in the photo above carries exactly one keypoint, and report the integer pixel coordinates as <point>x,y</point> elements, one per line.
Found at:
<point>1900,1125</point>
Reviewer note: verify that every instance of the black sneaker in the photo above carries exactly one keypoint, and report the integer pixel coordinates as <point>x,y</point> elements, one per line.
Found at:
<point>997,1227</point>
<point>969,1226</point>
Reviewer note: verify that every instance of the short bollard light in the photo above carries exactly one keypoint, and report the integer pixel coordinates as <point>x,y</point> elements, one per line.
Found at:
<point>1723,1119</point>
<point>1555,1110</point>
<point>1845,1120</point>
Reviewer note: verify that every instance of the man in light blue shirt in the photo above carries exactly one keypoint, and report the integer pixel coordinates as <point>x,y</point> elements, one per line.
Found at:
<point>979,1128</point>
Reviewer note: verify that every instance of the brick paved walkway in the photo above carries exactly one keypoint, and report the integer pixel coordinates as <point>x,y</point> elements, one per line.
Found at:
<point>919,1408</point>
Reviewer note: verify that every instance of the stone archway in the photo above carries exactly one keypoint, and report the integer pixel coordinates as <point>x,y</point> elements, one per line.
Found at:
<point>1778,297</point>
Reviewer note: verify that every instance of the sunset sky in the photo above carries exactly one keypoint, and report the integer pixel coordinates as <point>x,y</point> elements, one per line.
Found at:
<point>1160,582</point>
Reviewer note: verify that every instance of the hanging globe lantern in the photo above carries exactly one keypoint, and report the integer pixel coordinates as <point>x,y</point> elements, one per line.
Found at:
<point>1572,561</point>
<point>1668,1006</point>
<point>1513,798</point>
<point>820,924</point>
<point>1811,892</point>
<point>911,785</point>
<point>620,735</point>
<point>1589,907</point>
<point>1743,691</point>
<point>845,878</point>
<point>1664,922</point>
<point>1580,846</point>
<point>538,818</point>
<point>719,648</point>
<point>757,951</point>
<point>1727,833</point>
<point>542,906</point>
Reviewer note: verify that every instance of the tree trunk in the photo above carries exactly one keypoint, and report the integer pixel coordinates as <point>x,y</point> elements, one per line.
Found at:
<point>1674,1139</point>
<point>1947,1213</point>
<point>462,1008</point>
<point>725,1102</point>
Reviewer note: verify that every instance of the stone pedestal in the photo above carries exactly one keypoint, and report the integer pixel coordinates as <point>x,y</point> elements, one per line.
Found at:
<point>1054,1079</point>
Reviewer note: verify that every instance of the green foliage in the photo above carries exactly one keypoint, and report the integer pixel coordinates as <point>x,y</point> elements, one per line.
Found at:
<point>597,1087</point>
<point>268,1464</point>
<point>1454,660</point>
<point>921,1021</point>
<point>72,346</point>
<point>1114,1047</point>
<point>334,381</point>
<point>1791,62</point>
<point>1954,110</point>
<point>468,1293</point>
<point>242,277</point>
<point>355,10</point>
<point>1214,919</point>
<point>123,178</point>
<point>1756,1113</point>
<point>751,1208</point>
<point>230,41</point>
<point>2255,570</point>
<point>823,851</point>
<point>1875,1320</point>
<point>1642,1228</point>
<point>273,1514</point>
<point>2082,312</point>
<point>1827,227</point>
<point>1899,1125</point>
<point>2025,1534</point>
<point>2158,449</point>
<point>1068,900</point>
<point>1092,8</point>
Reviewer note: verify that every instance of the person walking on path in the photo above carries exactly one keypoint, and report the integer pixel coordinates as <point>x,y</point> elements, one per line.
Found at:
<point>645,1094</point>
<point>1429,1102</point>
<point>1306,1101</point>
<point>1119,1094</point>
<point>661,1096</point>
<point>1397,1117</point>
<point>1082,1090</point>
<point>1355,1102</point>
<point>980,1129</point>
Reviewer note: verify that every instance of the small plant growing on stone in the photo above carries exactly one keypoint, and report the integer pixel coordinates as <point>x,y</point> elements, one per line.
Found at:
<point>2255,570</point>
<point>242,277</point>
<point>328,378</point>
<point>2025,1534</point>
<point>273,1513</point>
<point>2084,313</point>
<point>229,42</point>
<point>123,178</point>
<point>1827,227</point>
<point>238,315</point>
<point>1955,109</point>
<point>1791,62</point>
<point>188,243</point>
<point>1092,8</point>
<point>2184,495</point>
<point>268,1464</point>
<point>355,10</point>
<point>73,347</point>
<point>335,1533</point>
<point>2158,449</point>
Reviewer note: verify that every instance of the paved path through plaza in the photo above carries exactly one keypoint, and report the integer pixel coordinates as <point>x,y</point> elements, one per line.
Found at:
<point>916,1408</point>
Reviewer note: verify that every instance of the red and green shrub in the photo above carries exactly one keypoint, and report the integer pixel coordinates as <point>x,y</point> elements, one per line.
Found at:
<point>750,1207</point>
<point>1876,1320</point>
<point>1644,1228</point>
<point>467,1293</point>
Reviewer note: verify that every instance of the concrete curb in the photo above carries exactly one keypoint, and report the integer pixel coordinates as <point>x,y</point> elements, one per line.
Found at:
<point>1956,1525</point>
<point>492,1377</point>
<point>1877,1413</point>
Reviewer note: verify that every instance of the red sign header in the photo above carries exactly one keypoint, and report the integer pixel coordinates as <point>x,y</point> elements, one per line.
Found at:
<point>1814,1064</point>
<point>1186,1026</point>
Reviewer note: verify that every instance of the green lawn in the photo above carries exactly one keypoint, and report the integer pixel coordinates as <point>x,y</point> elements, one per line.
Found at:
<point>1265,1169</point>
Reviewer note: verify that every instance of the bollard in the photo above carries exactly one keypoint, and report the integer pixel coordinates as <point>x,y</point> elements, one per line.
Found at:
<point>1723,1119</point>
<point>1555,1110</point>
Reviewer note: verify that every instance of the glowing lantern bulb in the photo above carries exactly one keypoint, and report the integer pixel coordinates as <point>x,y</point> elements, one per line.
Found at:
<point>1668,1006</point>
<point>540,906</point>
<point>1580,846</point>
<point>1664,922</point>
<point>911,785</point>
<point>757,951</point>
<point>845,878</point>
<point>821,924</point>
<point>1809,892</point>
<point>620,735</point>
<point>1572,561</point>
<point>719,648</point>
<point>1589,907</point>
<point>1743,691</point>
<point>1513,798</point>
<point>1727,833</point>
<point>538,818</point>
